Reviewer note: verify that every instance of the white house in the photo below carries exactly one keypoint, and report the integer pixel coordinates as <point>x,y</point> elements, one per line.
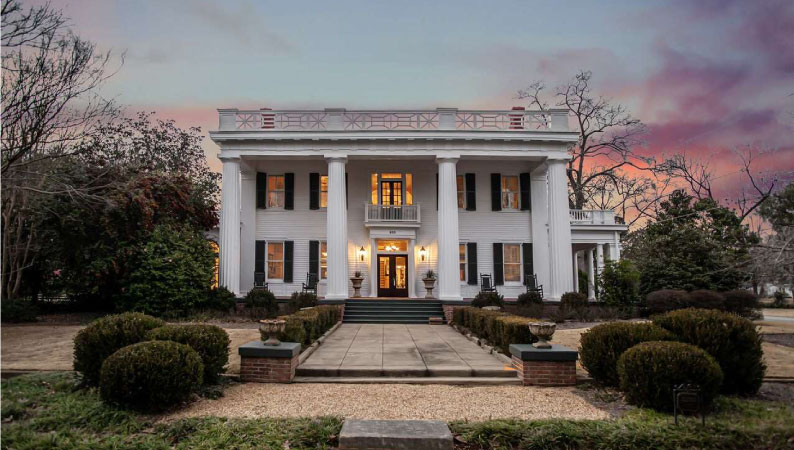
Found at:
<point>393,194</point>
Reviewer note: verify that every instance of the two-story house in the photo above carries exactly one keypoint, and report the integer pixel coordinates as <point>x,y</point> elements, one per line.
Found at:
<point>393,194</point>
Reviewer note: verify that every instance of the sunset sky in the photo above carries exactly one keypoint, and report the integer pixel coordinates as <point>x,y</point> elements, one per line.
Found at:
<point>705,76</point>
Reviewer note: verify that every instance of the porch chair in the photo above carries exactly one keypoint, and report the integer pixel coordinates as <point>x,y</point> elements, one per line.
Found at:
<point>532,285</point>
<point>260,281</point>
<point>311,284</point>
<point>486,283</point>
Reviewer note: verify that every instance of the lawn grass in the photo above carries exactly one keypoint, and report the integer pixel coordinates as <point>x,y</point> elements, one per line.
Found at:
<point>44,411</point>
<point>735,424</point>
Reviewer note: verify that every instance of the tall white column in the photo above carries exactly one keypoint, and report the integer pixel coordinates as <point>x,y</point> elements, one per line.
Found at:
<point>230,225</point>
<point>616,248</point>
<point>336,229</point>
<point>559,230</point>
<point>599,258</point>
<point>412,272</point>
<point>448,241</point>
<point>539,192</point>
<point>575,259</point>
<point>590,274</point>
<point>247,227</point>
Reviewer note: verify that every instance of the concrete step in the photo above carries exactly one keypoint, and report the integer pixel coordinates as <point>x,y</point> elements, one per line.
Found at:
<point>462,381</point>
<point>403,372</point>
<point>395,434</point>
<point>403,321</point>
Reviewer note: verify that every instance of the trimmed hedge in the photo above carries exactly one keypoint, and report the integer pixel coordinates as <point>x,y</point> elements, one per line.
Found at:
<point>488,299</point>
<point>573,300</point>
<point>602,345</point>
<point>529,298</point>
<point>308,325</point>
<point>151,376</point>
<point>651,370</point>
<point>706,299</point>
<point>664,300</point>
<point>498,328</point>
<point>210,341</point>
<point>733,341</point>
<point>261,302</point>
<point>741,302</point>
<point>220,299</point>
<point>300,300</point>
<point>102,337</point>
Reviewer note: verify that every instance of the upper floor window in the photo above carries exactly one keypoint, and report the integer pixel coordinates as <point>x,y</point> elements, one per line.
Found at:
<point>323,260</point>
<point>324,192</point>
<point>512,262</point>
<point>463,261</point>
<point>392,188</point>
<point>510,192</point>
<point>275,191</point>
<point>461,182</point>
<point>275,260</point>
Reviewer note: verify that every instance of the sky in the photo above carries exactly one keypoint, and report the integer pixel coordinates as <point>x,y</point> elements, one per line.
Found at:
<point>706,76</point>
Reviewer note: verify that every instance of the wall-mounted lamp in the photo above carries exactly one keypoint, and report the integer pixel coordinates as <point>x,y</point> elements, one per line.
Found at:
<point>362,253</point>
<point>422,254</point>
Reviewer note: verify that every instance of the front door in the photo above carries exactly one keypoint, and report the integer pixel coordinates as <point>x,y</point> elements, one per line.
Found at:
<point>392,276</point>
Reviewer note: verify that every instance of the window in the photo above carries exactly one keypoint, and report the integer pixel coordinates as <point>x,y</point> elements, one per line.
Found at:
<point>512,262</point>
<point>275,191</point>
<point>392,188</point>
<point>323,260</point>
<point>461,182</point>
<point>324,191</point>
<point>510,192</point>
<point>275,260</point>
<point>462,250</point>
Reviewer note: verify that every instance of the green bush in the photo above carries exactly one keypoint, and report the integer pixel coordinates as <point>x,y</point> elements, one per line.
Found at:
<point>151,376</point>
<point>619,283</point>
<point>733,341</point>
<point>498,328</point>
<point>488,299</point>
<point>18,310</point>
<point>104,336</point>
<point>261,302</point>
<point>602,345</point>
<point>573,301</point>
<point>300,300</point>
<point>741,302</point>
<point>529,298</point>
<point>665,300</point>
<point>220,299</point>
<point>780,299</point>
<point>308,325</point>
<point>651,370</point>
<point>171,274</point>
<point>211,342</point>
<point>706,299</point>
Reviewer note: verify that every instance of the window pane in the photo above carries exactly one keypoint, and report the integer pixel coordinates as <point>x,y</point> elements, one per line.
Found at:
<point>275,199</point>
<point>374,184</point>
<point>279,182</point>
<point>461,185</point>
<point>275,251</point>
<point>512,253</point>
<point>271,183</point>
<point>462,272</point>
<point>397,176</point>
<point>409,189</point>
<point>512,272</point>
<point>275,270</point>
<point>461,200</point>
<point>510,184</point>
<point>462,253</point>
<point>323,260</point>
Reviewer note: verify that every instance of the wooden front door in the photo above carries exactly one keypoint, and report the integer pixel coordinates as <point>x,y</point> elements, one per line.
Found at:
<point>392,276</point>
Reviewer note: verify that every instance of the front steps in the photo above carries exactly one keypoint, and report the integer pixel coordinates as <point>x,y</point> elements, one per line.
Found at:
<point>392,311</point>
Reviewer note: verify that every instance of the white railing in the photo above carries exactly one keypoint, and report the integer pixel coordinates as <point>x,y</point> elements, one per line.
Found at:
<point>438,119</point>
<point>388,213</point>
<point>592,216</point>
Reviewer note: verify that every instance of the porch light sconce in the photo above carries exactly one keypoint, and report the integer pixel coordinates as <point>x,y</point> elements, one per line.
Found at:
<point>362,253</point>
<point>422,254</point>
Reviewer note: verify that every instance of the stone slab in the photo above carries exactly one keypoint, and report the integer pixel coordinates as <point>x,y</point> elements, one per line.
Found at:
<point>258,349</point>
<point>395,434</point>
<point>526,352</point>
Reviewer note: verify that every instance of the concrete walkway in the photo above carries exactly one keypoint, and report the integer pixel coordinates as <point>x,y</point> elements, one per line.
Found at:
<point>396,350</point>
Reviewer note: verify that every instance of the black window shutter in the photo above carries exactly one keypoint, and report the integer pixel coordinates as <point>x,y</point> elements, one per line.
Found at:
<point>471,193</point>
<point>526,198</point>
<point>436,191</point>
<point>498,270</point>
<point>496,192</point>
<point>259,257</point>
<point>314,257</point>
<point>346,190</point>
<point>471,254</point>
<point>314,191</point>
<point>289,191</point>
<point>529,268</point>
<point>288,261</point>
<point>261,190</point>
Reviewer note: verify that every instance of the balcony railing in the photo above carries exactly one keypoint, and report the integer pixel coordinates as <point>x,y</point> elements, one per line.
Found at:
<point>592,217</point>
<point>389,213</point>
<point>438,119</point>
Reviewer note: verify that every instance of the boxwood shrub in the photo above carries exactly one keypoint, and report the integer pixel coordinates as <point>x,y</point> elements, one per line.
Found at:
<point>602,345</point>
<point>733,341</point>
<point>498,328</point>
<point>664,300</point>
<point>261,302</point>
<point>741,302</point>
<point>151,376</point>
<point>308,325</point>
<point>651,370</point>
<point>573,301</point>
<point>488,299</point>
<point>529,298</point>
<point>300,300</point>
<point>211,342</point>
<point>104,336</point>
<point>706,299</point>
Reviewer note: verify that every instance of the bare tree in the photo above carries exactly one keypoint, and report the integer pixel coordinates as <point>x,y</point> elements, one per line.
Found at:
<point>50,103</point>
<point>608,135</point>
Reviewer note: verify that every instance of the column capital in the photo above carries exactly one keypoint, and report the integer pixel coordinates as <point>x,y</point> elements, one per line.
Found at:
<point>447,159</point>
<point>556,161</point>
<point>229,158</point>
<point>337,158</point>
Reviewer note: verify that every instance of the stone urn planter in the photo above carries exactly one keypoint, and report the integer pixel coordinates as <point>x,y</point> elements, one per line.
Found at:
<point>356,280</point>
<point>271,328</point>
<point>544,331</point>
<point>430,282</point>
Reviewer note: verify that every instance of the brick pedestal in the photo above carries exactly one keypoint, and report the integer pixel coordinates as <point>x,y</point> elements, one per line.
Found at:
<point>555,366</point>
<point>261,363</point>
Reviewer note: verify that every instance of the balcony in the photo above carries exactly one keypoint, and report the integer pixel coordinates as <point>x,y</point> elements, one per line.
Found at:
<point>592,217</point>
<point>388,214</point>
